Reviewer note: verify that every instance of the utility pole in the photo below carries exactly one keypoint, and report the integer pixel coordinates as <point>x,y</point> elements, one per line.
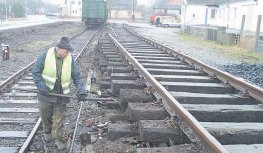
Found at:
<point>133,15</point>
<point>6,17</point>
<point>70,3</point>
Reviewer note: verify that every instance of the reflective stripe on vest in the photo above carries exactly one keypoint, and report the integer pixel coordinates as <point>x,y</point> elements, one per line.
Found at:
<point>49,73</point>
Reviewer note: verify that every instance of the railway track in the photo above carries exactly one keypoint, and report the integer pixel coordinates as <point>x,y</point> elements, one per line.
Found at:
<point>18,109</point>
<point>215,110</point>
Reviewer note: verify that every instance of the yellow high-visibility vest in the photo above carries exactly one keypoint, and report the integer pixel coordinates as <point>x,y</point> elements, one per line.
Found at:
<point>49,73</point>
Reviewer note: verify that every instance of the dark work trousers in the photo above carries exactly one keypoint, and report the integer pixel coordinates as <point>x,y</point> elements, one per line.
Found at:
<point>53,115</point>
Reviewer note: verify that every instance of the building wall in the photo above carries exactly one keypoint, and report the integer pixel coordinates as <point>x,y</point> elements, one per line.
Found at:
<point>227,15</point>
<point>231,15</point>
<point>192,15</point>
<point>123,14</point>
<point>71,8</point>
<point>74,8</point>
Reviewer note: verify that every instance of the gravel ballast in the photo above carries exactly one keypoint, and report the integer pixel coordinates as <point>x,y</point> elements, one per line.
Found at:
<point>209,54</point>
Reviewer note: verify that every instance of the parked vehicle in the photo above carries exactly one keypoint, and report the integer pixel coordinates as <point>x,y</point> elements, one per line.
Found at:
<point>152,19</point>
<point>157,20</point>
<point>94,12</point>
<point>167,21</point>
<point>170,21</point>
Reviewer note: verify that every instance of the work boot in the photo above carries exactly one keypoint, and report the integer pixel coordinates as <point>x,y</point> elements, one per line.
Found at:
<point>60,145</point>
<point>47,137</point>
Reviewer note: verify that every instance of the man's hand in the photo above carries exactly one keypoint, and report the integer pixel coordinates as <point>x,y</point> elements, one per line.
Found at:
<point>44,92</point>
<point>82,97</point>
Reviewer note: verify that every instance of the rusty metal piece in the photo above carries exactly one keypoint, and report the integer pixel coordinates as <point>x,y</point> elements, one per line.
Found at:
<point>149,90</point>
<point>226,82</point>
<point>212,75</point>
<point>244,93</point>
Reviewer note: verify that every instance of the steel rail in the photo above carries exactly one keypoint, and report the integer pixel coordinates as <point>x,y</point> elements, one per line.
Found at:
<point>86,45</point>
<point>11,79</point>
<point>76,127</point>
<point>245,87</point>
<point>167,98</point>
<point>30,137</point>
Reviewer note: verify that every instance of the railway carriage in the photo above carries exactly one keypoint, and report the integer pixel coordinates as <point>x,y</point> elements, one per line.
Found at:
<point>94,12</point>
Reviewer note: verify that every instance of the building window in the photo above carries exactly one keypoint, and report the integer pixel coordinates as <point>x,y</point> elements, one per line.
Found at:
<point>72,2</point>
<point>213,13</point>
<point>193,15</point>
<point>79,2</point>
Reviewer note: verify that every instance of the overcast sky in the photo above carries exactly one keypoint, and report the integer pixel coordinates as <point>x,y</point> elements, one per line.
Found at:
<point>50,1</point>
<point>146,2</point>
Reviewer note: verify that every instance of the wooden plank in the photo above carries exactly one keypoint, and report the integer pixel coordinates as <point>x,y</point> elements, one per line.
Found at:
<point>200,98</point>
<point>235,133</point>
<point>18,101</point>
<point>25,87</point>
<point>18,110</point>
<point>28,78</point>
<point>158,61</point>
<point>195,87</point>
<point>13,134</point>
<point>253,148</point>
<point>8,149</point>
<point>26,83</point>
<point>183,78</point>
<point>20,94</point>
<point>17,120</point>
<point>225,113</point>
<point>174,72</point>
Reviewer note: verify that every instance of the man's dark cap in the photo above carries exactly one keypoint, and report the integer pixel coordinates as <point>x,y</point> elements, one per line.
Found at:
<point>64,43</point>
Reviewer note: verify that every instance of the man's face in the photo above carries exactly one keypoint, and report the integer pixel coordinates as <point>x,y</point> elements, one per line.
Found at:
<point>62,52</point>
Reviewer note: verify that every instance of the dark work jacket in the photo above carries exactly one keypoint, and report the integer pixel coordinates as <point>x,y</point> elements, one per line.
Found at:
<point>41,85</point>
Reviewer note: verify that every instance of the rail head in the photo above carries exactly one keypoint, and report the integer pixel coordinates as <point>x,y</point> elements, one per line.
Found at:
<point>167,98</point>
<point>245,87</point>
<point>11,79</point>
<point>89,41</point>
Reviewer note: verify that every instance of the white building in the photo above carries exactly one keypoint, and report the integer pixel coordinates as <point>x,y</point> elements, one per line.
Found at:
<point>71,8</point>
<point>226,13</point>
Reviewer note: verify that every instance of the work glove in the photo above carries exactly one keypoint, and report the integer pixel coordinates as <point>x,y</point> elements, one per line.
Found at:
<point>44,92</point>
<point>82,97</point>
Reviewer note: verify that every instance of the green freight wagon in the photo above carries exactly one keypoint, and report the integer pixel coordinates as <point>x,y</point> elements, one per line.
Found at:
<point>94,12</point>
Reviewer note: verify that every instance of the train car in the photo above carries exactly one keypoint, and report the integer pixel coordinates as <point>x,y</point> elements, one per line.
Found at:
<point>94,12</point>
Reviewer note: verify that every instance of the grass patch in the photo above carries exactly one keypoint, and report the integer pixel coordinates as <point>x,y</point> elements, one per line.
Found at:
<point>228,51</point>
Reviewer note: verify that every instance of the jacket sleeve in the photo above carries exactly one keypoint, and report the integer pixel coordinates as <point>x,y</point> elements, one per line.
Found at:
<point>76,76</point>
<point>37,72</point>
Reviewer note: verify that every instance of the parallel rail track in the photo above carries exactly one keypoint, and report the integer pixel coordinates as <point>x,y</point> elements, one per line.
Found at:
<point>18,110</point>
<point>222,111</point>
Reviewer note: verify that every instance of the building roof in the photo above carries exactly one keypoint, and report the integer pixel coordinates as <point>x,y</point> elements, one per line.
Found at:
<point>168,4</point>
<point>122,4</point>
<point>202,2</point>
<point>212,2</point>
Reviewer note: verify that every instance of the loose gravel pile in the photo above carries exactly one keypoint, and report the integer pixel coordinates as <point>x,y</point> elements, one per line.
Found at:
<point>251,72</point>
